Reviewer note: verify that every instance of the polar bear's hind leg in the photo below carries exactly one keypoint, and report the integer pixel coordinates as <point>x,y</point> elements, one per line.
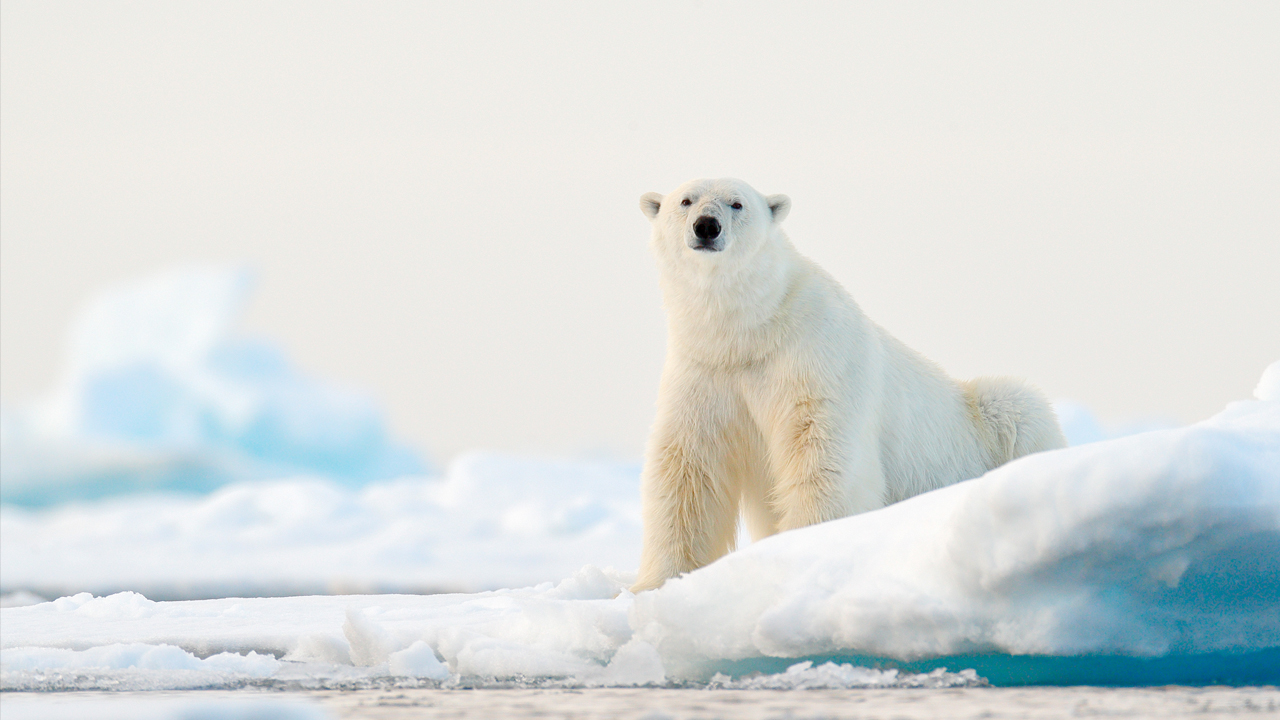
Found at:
<point>1014,418</point>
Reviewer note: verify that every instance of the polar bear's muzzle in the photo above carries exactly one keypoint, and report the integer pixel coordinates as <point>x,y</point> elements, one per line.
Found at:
<point>706,230</point>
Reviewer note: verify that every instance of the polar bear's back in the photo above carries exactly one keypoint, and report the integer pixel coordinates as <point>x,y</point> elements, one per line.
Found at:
<point>927,437</point>
<point>937,431</point>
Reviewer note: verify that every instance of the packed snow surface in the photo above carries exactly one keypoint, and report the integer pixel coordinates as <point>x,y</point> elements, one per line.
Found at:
<point>1162,546</point>
<point>160,392</point>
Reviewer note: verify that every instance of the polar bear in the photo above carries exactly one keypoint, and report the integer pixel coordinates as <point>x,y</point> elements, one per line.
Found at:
<point>781,400</point>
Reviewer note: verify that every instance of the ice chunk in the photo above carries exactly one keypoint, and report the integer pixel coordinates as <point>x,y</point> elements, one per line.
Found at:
<point>635,663</point>
<point>369,644</point>
<point>161,392</point>
<point>1269,386</point>
<point>832,676</point>
<point>417,660</point>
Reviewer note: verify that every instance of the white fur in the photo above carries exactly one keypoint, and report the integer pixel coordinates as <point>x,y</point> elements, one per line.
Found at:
<point>781,400</point>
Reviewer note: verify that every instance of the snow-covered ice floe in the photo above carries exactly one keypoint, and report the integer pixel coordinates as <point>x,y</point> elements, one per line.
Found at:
<point>1149,559</point>
<point>574,633</point>
<point>490,521</point>
<point>1150,556</point>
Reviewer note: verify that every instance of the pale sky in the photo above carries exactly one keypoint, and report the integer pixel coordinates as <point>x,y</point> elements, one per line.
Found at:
<point>441,198</point>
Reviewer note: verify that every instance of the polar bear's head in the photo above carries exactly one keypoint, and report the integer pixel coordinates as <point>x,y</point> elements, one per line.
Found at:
<point>715,219</point>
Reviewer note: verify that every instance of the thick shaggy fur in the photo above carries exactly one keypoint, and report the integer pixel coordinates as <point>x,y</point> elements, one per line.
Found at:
<point>781,400</point>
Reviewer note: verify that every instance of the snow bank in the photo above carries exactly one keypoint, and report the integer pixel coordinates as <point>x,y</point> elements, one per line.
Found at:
<point>1148,559</point>
<point>491,521</point>
<point>160,392</point>
<point>1161,543</point>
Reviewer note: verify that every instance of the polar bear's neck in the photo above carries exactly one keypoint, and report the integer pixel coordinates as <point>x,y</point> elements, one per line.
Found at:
<point>729,313</point>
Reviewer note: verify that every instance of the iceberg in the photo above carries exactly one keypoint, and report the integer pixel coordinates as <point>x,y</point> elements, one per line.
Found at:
<point>161,393</point>
<point>1080,426</point>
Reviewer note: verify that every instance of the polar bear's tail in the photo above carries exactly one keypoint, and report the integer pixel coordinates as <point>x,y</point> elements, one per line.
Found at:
<point>1013,418</point>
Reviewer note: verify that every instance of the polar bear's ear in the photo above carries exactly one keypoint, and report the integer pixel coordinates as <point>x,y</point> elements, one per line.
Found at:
<point>780,205</point>
<point>650,203</point>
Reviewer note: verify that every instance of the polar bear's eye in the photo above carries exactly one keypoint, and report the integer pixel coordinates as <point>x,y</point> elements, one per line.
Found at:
<point>736,206</point>
<point>686,202</point>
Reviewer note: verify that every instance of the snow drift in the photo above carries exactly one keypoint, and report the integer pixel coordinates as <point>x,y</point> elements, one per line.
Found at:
<point>1148,559</point>
<point>161,393</point>
<point>491,521</point>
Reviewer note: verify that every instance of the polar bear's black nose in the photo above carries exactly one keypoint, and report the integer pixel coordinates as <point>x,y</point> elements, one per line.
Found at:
<point>706,228</point>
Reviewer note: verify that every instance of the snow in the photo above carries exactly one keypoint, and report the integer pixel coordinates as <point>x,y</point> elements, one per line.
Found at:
<point>1161,543</point>
<point>419,661</point>
<point>121,656</point>
<point>178,460</point>
<point>161,392</point>
<point>1151,558</point>
<point>576,631</point>
<point>830,676</point>
<point>491,521</point>
<point>64,706</point>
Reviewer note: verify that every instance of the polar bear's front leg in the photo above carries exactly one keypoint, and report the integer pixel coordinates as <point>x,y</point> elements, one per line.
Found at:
<point>689,494</point>
<point>823,469</point>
